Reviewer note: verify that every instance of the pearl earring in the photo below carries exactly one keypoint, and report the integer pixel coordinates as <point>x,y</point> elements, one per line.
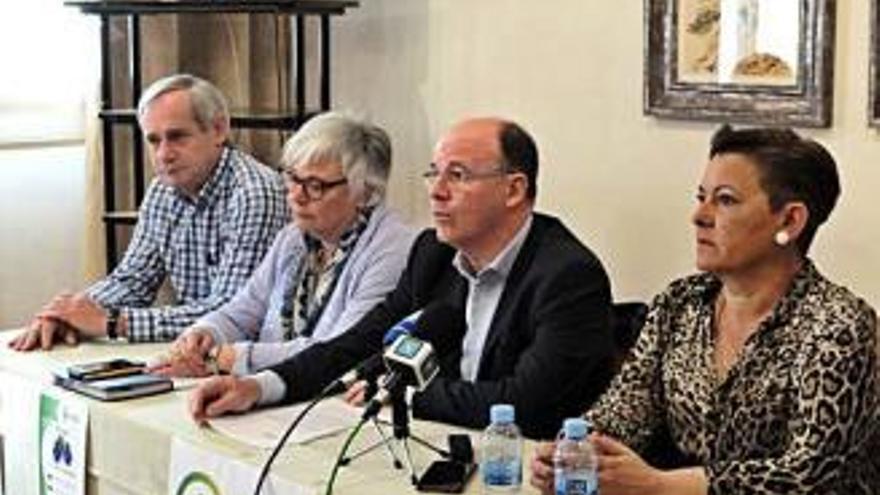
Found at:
<point>781,238</point>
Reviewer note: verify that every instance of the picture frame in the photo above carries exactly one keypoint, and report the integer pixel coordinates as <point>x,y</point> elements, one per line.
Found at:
<point>722,61</point>
<point>874,83</point>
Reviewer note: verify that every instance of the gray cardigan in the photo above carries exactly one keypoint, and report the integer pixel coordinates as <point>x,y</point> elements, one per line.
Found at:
<point>251,320</point>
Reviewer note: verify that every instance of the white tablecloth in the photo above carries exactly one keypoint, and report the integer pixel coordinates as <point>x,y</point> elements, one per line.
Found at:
<point>129,441</point>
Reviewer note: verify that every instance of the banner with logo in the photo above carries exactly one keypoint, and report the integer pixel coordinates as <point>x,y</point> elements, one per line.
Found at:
<point>62,444</point>
<point>196,471</point>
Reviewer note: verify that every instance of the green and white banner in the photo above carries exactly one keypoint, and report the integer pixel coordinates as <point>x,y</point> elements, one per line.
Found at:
<point>195,471</point>
<point>62,443</point>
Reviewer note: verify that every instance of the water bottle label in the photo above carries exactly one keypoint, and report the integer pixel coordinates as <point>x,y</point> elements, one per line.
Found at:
<point>567,485</point>
<point>497,473</point>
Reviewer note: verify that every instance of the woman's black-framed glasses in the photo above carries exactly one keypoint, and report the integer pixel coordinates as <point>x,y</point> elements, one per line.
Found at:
<point>313,187</point>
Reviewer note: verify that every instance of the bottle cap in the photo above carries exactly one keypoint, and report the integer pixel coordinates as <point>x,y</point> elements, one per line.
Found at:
<point>575,428</point>
<point>501,413</point>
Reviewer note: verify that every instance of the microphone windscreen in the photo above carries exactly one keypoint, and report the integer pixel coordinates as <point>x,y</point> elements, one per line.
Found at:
<point>405,326</point>
<point>391,335</point>
<point>443,326</point>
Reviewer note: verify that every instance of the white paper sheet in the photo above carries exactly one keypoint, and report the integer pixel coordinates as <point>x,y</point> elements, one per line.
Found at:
<point>264,427</point>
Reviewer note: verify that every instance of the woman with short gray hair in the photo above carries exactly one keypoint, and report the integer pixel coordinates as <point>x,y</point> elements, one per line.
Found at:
<point>344,251</point>
<point>364,151</point>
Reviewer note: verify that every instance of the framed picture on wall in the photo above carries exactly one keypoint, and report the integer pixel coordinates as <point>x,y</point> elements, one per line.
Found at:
<point>754,61</point>
<point>874,85</point>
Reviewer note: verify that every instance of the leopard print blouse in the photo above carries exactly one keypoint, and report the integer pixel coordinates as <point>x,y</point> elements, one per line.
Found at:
<point>797,412</point>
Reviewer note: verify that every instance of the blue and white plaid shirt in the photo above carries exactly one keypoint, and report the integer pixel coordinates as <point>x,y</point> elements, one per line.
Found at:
<point>207,246</point>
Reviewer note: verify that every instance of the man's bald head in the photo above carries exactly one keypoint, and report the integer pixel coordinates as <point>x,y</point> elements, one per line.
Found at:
<point>496,140</point>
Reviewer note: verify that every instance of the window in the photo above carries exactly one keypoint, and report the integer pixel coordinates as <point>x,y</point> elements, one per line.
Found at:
<point>50,58</point>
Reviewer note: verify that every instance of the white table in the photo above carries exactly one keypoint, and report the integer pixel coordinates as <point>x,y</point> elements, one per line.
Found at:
<point>129,442</point>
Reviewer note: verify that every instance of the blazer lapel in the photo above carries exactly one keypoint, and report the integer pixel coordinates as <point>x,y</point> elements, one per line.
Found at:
<point>457,297</point>
<point>509,302</point>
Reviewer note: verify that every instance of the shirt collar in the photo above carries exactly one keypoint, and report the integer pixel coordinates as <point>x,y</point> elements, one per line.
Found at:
<point>802,283</point>
<point>785,308</point>
<point>503,262</point>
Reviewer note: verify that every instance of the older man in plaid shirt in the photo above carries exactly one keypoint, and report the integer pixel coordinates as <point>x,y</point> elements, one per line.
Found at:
<point>205,223</point>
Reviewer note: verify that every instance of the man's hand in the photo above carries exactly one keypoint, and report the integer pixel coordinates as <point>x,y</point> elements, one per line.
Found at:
<point>542,467</point>
<point>78,311</point>
<point>357,393</point>
<point>186,357</point>
<point>223,394</point>
<point>43,333</point>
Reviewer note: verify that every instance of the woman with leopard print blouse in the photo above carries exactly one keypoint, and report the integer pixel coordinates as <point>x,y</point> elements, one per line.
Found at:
<point>760,370</point>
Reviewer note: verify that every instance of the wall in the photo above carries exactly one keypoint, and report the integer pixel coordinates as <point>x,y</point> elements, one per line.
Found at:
<point>571,72</point>
<point>42,213</point>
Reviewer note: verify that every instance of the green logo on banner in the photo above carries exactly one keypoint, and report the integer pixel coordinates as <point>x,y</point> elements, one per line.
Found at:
<point>198,483</point>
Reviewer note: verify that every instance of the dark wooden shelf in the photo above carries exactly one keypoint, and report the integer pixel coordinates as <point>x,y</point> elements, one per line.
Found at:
<point>240,118</point>
<point>121,217</point>
<point>116,7</point>
<point>111,115</point>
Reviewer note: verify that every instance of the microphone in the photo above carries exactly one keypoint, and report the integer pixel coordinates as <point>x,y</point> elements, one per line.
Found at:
<point>430,324</point>
<point>373,366</point>
<point>412,360</point>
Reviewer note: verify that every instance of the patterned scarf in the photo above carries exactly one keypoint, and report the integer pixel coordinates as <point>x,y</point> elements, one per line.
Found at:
<point>311,283</point>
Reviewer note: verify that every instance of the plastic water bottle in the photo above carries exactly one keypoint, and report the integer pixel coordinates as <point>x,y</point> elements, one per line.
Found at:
<point>574,461</point>
<point>501,452</point>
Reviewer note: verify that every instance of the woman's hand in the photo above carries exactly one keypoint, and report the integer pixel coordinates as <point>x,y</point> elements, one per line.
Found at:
<point>194,340</point>
<point>622,471</point>
<point>186,357</point>
<point>542,467</point>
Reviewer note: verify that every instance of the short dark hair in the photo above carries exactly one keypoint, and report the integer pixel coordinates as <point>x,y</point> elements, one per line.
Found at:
<point>791,168</point>
<point>520,154</point>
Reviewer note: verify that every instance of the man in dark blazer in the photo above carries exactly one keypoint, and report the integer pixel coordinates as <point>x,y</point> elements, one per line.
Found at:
<point>536,302</point>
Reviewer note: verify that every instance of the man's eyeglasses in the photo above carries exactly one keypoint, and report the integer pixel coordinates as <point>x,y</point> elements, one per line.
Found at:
<point>455,174</point>
<point>313,187</point>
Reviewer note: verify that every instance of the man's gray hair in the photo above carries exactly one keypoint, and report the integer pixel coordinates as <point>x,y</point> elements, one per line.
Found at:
<point>363,150</point>
<point>208,102</point>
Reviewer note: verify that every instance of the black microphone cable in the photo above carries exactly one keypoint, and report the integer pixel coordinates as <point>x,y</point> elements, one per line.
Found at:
<point>327,391</point>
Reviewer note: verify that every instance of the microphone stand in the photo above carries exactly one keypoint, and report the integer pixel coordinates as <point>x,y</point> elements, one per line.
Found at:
<point>385,440</point>
<point>402,434</point>
<point>400,420</point>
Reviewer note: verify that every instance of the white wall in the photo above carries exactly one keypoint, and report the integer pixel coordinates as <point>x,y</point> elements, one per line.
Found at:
<point>42,210</point>
<point>571,72</point>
